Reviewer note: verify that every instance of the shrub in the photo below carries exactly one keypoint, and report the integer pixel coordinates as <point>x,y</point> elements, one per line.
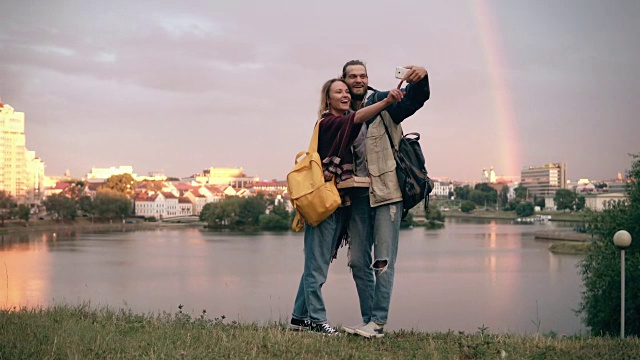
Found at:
<point>467,206</point>
<point>600,269</point>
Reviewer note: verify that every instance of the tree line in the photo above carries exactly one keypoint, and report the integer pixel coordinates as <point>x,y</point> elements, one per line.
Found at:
<point>237,213</point>
<point>522,204</point>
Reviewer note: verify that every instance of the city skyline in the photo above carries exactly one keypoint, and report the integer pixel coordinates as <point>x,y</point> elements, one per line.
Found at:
<point>179,87</point>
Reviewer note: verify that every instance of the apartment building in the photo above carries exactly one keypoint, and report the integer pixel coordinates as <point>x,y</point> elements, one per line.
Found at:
<point>544,180</point>
<point>21,172</point>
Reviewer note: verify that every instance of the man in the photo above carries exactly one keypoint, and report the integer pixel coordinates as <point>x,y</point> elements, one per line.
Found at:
<point>376,211</point>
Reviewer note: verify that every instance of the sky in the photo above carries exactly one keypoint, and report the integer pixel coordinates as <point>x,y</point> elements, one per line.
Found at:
<point>181,86</point>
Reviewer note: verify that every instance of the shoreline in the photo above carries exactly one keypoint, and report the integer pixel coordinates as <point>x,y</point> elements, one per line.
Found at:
<point>91,226</point>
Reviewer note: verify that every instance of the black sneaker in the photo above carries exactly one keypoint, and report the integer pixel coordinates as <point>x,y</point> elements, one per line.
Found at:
<point>300,325</point>
<point>324,329</point>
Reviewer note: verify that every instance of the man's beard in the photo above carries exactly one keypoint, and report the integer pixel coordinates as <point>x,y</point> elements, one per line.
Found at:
<point>358,97</point>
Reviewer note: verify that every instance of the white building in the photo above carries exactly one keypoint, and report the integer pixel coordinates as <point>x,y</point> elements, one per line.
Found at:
<point>171,208</point>
<point>442,189</point>
<point>224,177</point>
<point>544,180</point>
<point>198,199</point>
<point>21,172</point>
<point>185,206</point>
<point>34,176</point>
<point>596,202</point>
<point>150,205</point>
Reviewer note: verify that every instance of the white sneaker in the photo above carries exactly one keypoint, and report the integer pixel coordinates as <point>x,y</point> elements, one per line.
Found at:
<point>352,329</point>
<point>371,330</point>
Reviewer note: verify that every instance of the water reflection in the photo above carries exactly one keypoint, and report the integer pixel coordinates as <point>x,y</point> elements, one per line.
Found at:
<point>463,276</point>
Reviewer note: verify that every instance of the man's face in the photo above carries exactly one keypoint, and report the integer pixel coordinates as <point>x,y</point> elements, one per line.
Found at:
<point>357,80</point>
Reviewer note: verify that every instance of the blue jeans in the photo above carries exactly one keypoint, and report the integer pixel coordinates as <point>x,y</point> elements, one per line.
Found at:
<point>377,228</point>
<point>319,245</point>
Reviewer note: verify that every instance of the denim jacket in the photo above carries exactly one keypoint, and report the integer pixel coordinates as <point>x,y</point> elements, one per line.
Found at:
<point>381,165</point>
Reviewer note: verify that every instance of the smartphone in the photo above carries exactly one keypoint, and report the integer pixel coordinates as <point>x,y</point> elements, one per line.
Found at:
<point>401,72</point>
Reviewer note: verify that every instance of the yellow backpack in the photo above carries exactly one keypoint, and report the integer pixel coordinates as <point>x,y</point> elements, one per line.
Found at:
<point>312,198</point>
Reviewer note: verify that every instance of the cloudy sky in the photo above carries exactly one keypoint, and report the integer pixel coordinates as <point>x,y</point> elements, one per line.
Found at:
<point>180,86</point>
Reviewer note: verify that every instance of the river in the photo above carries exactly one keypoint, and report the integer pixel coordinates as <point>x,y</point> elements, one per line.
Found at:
<point>472,273</point>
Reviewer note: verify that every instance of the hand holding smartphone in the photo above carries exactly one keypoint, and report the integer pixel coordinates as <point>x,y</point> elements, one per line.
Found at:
<point>401,72</point>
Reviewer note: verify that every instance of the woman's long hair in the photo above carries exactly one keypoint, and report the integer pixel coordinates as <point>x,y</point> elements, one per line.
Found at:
<point>324,96</point>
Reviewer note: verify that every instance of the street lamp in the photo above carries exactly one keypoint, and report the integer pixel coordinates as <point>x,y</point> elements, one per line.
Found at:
<point>622,240</point>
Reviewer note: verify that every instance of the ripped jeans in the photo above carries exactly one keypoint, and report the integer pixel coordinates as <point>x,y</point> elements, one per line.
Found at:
<point>376,228</point>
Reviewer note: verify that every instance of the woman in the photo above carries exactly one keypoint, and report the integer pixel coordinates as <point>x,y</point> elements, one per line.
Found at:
<point>338,129</point>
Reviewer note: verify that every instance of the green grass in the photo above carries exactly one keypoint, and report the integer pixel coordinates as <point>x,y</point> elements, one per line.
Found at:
<point>570,247</point>
<point>64,332</point>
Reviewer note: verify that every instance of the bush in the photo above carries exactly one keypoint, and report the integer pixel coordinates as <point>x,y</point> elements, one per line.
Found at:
<point>407,222</point>
<point>467,206</point>
<point>434,214</point>
<point>600,269</point>
<point>525,209</point>
<point>274,222</point>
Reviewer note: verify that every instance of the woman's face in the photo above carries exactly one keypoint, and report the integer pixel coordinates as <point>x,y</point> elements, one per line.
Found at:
<point>339,98</point>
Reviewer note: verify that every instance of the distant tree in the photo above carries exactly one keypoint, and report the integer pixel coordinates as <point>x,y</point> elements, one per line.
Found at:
<point>503,196</point>
<point>250,210</point>
<point>123,183</point>
<point>407,222</point>
<point>539,201</point>
<point>236,213</point>
<point>462,193</point>
<point>154,185</point>
<point>85,204</point>
<point>580,203</point>
<point>434,214</point>
<point>525,209</point>
<point>450,195</point>
<point>61,206</point>
<point>24,213</point>
<point>513,204</point>
<point>7,203</point>
<point>222,214</point>
<point>111,204</point>
<point>75,189</point>
<point>478,197</point>
<point>600,268</point>
<point>206,211</point>
<point>172,178</point>
<point>565,199</point>
<point>280,210</point>
<point>467,206</point>
<point>521,192</point>
<point>276,220</point>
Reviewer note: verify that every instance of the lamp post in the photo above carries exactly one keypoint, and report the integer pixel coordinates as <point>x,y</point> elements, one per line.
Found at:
<point>622,240</point>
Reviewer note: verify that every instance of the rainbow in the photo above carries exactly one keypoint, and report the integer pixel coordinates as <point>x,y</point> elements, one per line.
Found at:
<point>505,117</point>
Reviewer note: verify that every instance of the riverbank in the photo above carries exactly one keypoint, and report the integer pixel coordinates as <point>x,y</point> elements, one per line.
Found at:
<point>85,224</point>
<point>81,332</point>
<point>564,235</point>
<point>569,247</point>
<point>510,215</point>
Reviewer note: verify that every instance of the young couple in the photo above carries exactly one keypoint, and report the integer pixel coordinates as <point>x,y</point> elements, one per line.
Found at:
<point>353,142</point>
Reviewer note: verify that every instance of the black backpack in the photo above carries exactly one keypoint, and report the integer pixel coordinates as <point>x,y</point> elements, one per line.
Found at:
<point>413,178</point>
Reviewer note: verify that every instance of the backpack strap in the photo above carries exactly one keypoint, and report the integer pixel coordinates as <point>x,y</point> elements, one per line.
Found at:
<point>313,144</point>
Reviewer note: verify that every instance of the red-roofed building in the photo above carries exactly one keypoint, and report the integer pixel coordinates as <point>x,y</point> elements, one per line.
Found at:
<point>197,199</point>
<point>171,204</point>
<point>270,186</point>
<point>60,187</point>
<point>149,205</point>
<point>185,205</point>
